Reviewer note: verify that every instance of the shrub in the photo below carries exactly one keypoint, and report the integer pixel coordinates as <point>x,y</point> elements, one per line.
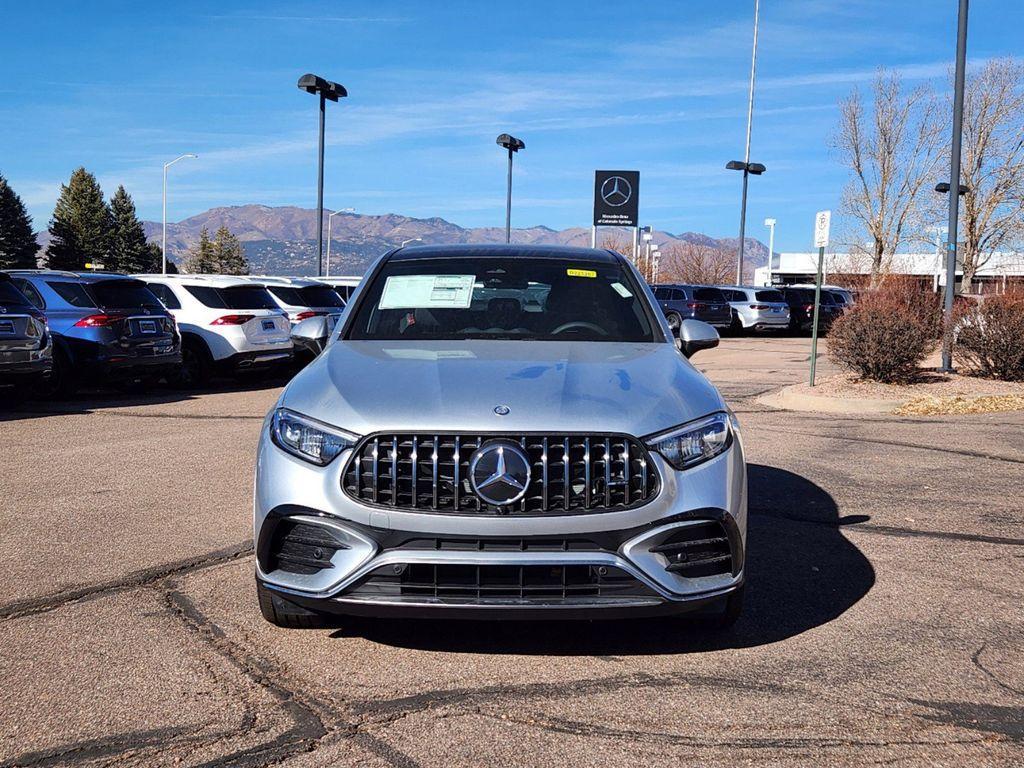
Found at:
<point>887,334</point>
<point>990,337</point>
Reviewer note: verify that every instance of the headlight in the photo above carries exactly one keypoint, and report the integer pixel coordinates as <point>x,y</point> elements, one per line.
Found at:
<point>693,443</point>
<point>307,438</point>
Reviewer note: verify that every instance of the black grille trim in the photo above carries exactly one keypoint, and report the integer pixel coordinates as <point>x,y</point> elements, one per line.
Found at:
<point>698,550</point>
<point>570,473</point>
<point>458,583</point>
<point>301,547</point>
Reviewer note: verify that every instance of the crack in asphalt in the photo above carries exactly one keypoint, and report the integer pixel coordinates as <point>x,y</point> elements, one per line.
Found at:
<point>976,659</point>
<point>572,727</point>
<point>33,606</point>
<point>900,444</point>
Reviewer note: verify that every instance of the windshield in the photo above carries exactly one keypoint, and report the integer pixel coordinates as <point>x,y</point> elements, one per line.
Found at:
<point>537,299</point>
<point>123,294</point>
<point>11,296</point>
<point>320,296</point>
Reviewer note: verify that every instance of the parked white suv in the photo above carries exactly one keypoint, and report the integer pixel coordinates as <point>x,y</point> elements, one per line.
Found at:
<point>228,324</point>
<point>301,297</point>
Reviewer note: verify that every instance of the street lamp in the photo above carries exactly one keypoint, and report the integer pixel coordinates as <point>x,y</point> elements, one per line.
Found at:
<point>329,222</point>
<point>770,223</point>
<point>954,182</point>
<point>411,240</point>
<point>328,91</point>
<point>513,145</point>
<point>163,244</point>
<point>746,166</point>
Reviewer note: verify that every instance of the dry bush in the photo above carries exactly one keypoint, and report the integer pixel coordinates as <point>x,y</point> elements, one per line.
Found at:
<point>697,263</point>
<point>990,337</point>
<point>887,334</point>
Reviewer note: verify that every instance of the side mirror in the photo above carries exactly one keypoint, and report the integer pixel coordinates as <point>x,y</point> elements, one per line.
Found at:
<point>312,333</point>
<point>694,336</point>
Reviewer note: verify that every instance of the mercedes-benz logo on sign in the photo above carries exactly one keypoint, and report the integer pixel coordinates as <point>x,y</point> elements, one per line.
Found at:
<point>616,191</point>
<point>499,472</point>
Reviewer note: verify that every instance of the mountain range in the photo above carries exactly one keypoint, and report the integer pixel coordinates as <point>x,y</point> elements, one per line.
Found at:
<point>282,240</point>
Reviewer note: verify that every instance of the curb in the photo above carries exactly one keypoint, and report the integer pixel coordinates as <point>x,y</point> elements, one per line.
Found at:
<point>790,400</point>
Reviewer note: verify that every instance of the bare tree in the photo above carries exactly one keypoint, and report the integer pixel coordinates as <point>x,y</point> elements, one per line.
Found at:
<point>992,164</point>
<point>696,263</point>
<point>892,155</point>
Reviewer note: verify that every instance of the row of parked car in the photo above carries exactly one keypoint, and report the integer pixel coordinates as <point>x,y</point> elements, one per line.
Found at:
<point>63,330</point>
<point>746,308</point>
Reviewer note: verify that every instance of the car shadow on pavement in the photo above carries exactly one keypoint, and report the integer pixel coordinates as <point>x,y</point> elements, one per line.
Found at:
<point>801,573</point>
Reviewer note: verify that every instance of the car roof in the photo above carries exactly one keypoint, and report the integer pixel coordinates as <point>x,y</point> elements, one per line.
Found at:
<point>214,281</point>
<point>503,250</point>
<point>78,277</point>
<point>297,282</point>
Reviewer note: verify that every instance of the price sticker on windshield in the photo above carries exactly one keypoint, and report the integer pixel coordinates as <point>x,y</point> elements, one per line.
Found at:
<point>581,273</point>
<point>427,292</point>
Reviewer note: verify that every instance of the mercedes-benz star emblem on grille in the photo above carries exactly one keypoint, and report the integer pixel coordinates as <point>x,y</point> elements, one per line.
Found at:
<point>499,472</point>
<point>502,410</point>
<point>616,191</point>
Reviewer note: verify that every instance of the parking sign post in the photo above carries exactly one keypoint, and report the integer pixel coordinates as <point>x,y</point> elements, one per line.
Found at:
<point>822,220</point>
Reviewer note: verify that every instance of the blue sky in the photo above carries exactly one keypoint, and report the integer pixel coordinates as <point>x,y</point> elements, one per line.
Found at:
<point>659,87</point>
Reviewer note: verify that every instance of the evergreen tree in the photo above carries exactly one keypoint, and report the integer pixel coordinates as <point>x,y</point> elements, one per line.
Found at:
<point>202,258</point>
<point>80,227</point>
<point>153,260</point>
<point>129,251</point>
<point>229,253</point>
<point>17,241</point>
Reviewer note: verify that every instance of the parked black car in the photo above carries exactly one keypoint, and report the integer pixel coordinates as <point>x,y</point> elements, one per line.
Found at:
<point>26,346</point>
<point>801,308</point>
<point>700,302</point>
<point>107,328</point>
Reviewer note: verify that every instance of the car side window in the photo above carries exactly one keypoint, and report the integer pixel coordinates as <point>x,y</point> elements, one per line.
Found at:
<point>73,293</point>
<point>678,295</point>
<point>165,294</point>
<point>31,293</point>
<point>661,293</point>
<point>208,296</point>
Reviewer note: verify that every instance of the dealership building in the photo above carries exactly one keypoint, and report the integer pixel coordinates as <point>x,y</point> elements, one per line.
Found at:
<point>1001,271</point>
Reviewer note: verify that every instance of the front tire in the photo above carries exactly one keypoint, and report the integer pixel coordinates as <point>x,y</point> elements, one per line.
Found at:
<point>281,613</point>
<point>675,322</point>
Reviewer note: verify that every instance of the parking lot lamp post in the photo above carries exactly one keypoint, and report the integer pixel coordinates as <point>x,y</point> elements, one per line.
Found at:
<point>330,216</point>
<point>411,240</point>
<point>513,145</point>
<point>163,241</point>
<point>770,223</point>
<point>327,91</point>
<point>746,166</point>
<point>954,183</point>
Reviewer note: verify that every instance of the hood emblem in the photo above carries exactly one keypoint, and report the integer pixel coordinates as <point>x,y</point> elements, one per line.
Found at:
<point>499,472</point>
<point>502,410</point>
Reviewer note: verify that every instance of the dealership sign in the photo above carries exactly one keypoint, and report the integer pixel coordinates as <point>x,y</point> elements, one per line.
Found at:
<point>616,198</point>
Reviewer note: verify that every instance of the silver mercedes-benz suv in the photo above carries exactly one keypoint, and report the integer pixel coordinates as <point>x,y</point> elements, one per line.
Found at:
<point>501,431</point>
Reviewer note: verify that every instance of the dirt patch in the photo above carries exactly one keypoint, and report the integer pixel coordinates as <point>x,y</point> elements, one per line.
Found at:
<point>933,406</point>
<point>930,384</point>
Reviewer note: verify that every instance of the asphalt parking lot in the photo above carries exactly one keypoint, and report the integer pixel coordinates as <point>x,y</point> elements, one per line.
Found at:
<point>883,623</point>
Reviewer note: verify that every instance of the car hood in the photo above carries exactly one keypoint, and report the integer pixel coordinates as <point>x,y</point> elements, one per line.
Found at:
<point>370,386</point>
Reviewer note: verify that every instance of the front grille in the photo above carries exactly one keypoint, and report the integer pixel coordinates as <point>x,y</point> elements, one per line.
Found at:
<point>500,545</point>
<point>697,550</point>
<point>569,473</point>
<point>298,547</point>
<point>498,583</point>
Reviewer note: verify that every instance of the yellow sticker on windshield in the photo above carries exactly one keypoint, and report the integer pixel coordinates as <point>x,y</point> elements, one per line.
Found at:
<point>581,273</point>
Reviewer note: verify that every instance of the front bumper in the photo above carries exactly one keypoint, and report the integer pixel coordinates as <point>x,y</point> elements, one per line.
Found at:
<point>620,545</point>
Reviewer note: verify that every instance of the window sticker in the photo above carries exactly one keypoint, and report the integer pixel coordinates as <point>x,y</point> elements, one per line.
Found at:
<point>581,272</point>
<point>622,290</point>
<point>427,292</point>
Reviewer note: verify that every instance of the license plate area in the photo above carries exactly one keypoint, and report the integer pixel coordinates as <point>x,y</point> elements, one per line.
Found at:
<point>269,325</point>
<point>147,326</point>
<point>7,327</point>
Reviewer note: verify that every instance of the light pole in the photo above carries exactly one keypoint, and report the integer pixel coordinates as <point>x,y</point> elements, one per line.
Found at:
<point>330,216</point>
<point>770,223</point>
<point>647,235</point>
<point>513,145</point>
<point>163,242</point>
<point>746,166</point>
<point>954,183</point>
<point>411,240</point>
<point>328,91</point>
